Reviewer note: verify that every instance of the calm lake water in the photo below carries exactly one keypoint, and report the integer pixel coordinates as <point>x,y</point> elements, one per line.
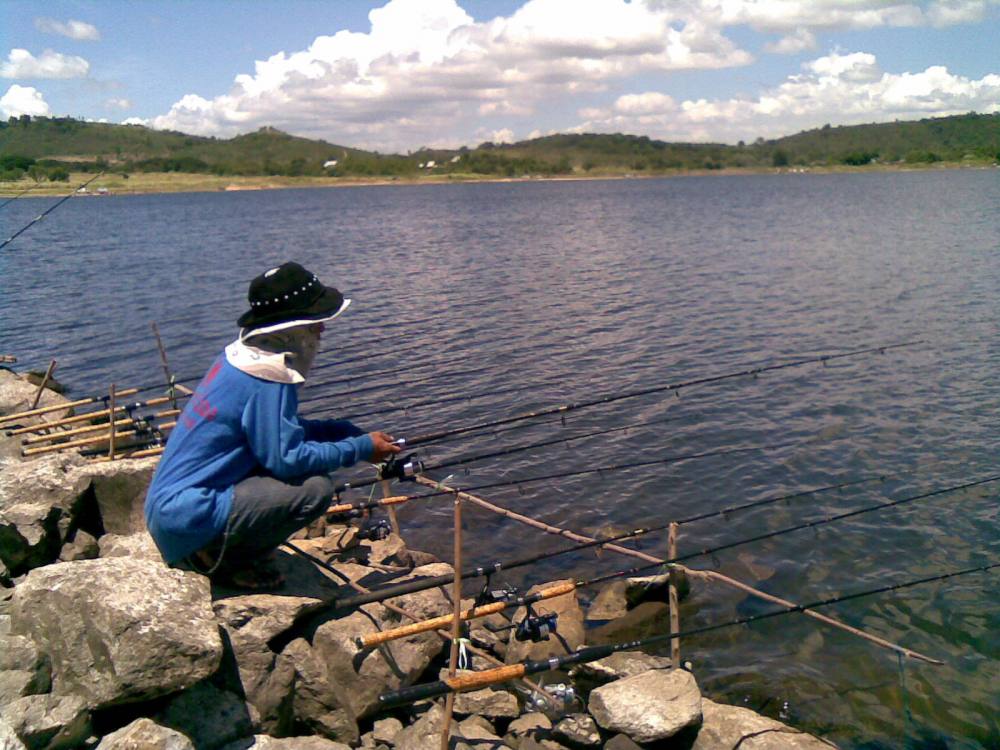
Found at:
<point>526,295</point>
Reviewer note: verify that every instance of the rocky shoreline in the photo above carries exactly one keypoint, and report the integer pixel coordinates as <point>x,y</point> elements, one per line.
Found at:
<point>103,646</point>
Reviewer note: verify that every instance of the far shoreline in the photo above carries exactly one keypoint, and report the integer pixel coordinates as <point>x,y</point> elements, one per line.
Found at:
<point>155,183</point>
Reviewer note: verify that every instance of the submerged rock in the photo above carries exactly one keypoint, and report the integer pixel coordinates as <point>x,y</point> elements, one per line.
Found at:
<point>650,706</point>
<point>119,630</point>
<point>728,726</point>
<point>569,634</point>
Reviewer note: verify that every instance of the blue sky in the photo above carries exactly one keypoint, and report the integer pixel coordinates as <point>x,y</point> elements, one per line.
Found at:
<point>407,73</point>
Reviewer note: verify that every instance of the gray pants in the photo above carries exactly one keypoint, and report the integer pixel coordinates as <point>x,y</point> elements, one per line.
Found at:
<point>266,511</point>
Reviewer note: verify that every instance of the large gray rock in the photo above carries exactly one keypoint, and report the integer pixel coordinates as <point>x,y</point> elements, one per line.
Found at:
<point>493,704</point>
<point>363,674</point>
<point>650,706</point>
<point>265,742</point>
<point>17,395</point>
<point>319,700</point>
<point>118,630</point>
<point>609,603</point>
<point>139,546</point>
<point>119,489</point>
<point>534,725</point>
<point>38,503</point>
<point>267,679</point>
<point>618,666</point>
<point>8,737</point>
<point>24,670</point>
<point>48,721</point>
<point>425,732</point>
<point>145,734</point>
<point>209,716</point>
<point>577,730</point>
<point>725,727</point>
<point>569,634</point>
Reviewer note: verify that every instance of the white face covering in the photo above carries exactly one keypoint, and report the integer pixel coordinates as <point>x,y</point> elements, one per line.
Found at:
<point>299,345</point>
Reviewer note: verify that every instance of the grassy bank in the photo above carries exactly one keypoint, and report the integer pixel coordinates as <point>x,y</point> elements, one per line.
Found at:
<point>183,182</point>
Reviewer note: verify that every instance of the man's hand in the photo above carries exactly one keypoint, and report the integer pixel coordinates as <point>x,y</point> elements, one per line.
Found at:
<point>384,447</point>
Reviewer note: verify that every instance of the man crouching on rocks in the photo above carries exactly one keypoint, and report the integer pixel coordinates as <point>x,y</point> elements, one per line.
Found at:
<point>242,471</point>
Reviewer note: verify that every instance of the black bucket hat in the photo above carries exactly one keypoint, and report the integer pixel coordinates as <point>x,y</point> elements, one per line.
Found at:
<point>288,296</point>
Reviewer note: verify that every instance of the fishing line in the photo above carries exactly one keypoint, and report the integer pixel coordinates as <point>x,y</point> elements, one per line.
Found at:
<point>46,212</point>
<point>11,200</point>
<point>611,398</point>
<point>591,653</point>
<point>561,475</point>
<point>420,585</point>
<point>560,589</point>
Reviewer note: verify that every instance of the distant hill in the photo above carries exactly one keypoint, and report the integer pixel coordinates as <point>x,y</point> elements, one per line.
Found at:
<point>60,144</point>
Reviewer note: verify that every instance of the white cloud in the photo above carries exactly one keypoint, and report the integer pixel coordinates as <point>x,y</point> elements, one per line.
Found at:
<point>117,103</point>
<point>145,122</point>
<point>23,100</point>
<point>80,30</point>
<point>22,64</point>
<point>839,87</point>
<point>427,71</point>
<point>504,135</point>
<point>790,15</point>
<point>426,67</point>
<point>800,40</point>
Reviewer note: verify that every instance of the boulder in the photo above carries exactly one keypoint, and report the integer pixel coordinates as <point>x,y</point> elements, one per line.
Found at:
<point>8,737</point>
<point>616,667</point>
<point>535,725</point>
<point>728,726</point>
<point>138,546</point>
<point>577,730</point>
<point>318,701</point>
<point>476,732</point>
<point>655,587</point>
<point>385,730</point>
<point>82,546</point>
<point>609,603</point>
<point>145,734</point>
<point>119,488</point>
<point>358,675</point>
<point>264,742</point>
<point>647,619</point>
<point>17,394</point>
<point>39,501</point>
<point>209,716</point>
<point>621,742</point>
<point>650,706</point>
<point>24,670</point>
<point>493,704</point>
<point>266,679</point>
<point>569,634</point>
<point>48,721</point>
<point>118,630</point>
<point>425,732</point>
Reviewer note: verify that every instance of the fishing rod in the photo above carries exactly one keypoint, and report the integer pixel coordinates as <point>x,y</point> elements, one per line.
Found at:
<point>487,677</point>
<point>406,469</point>
<point>387,592</point>
<point>11,200</point>
<point>394,469</point>
<point>86,416</point>
<point>507,599</point>
<point>611,398</point>
<point>46,212</point>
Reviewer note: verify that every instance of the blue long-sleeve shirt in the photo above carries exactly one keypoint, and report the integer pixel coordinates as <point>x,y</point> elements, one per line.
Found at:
<point>232,425</point>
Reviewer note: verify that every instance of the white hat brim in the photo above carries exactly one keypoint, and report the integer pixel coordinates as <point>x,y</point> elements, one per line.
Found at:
<point>246,333</point>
